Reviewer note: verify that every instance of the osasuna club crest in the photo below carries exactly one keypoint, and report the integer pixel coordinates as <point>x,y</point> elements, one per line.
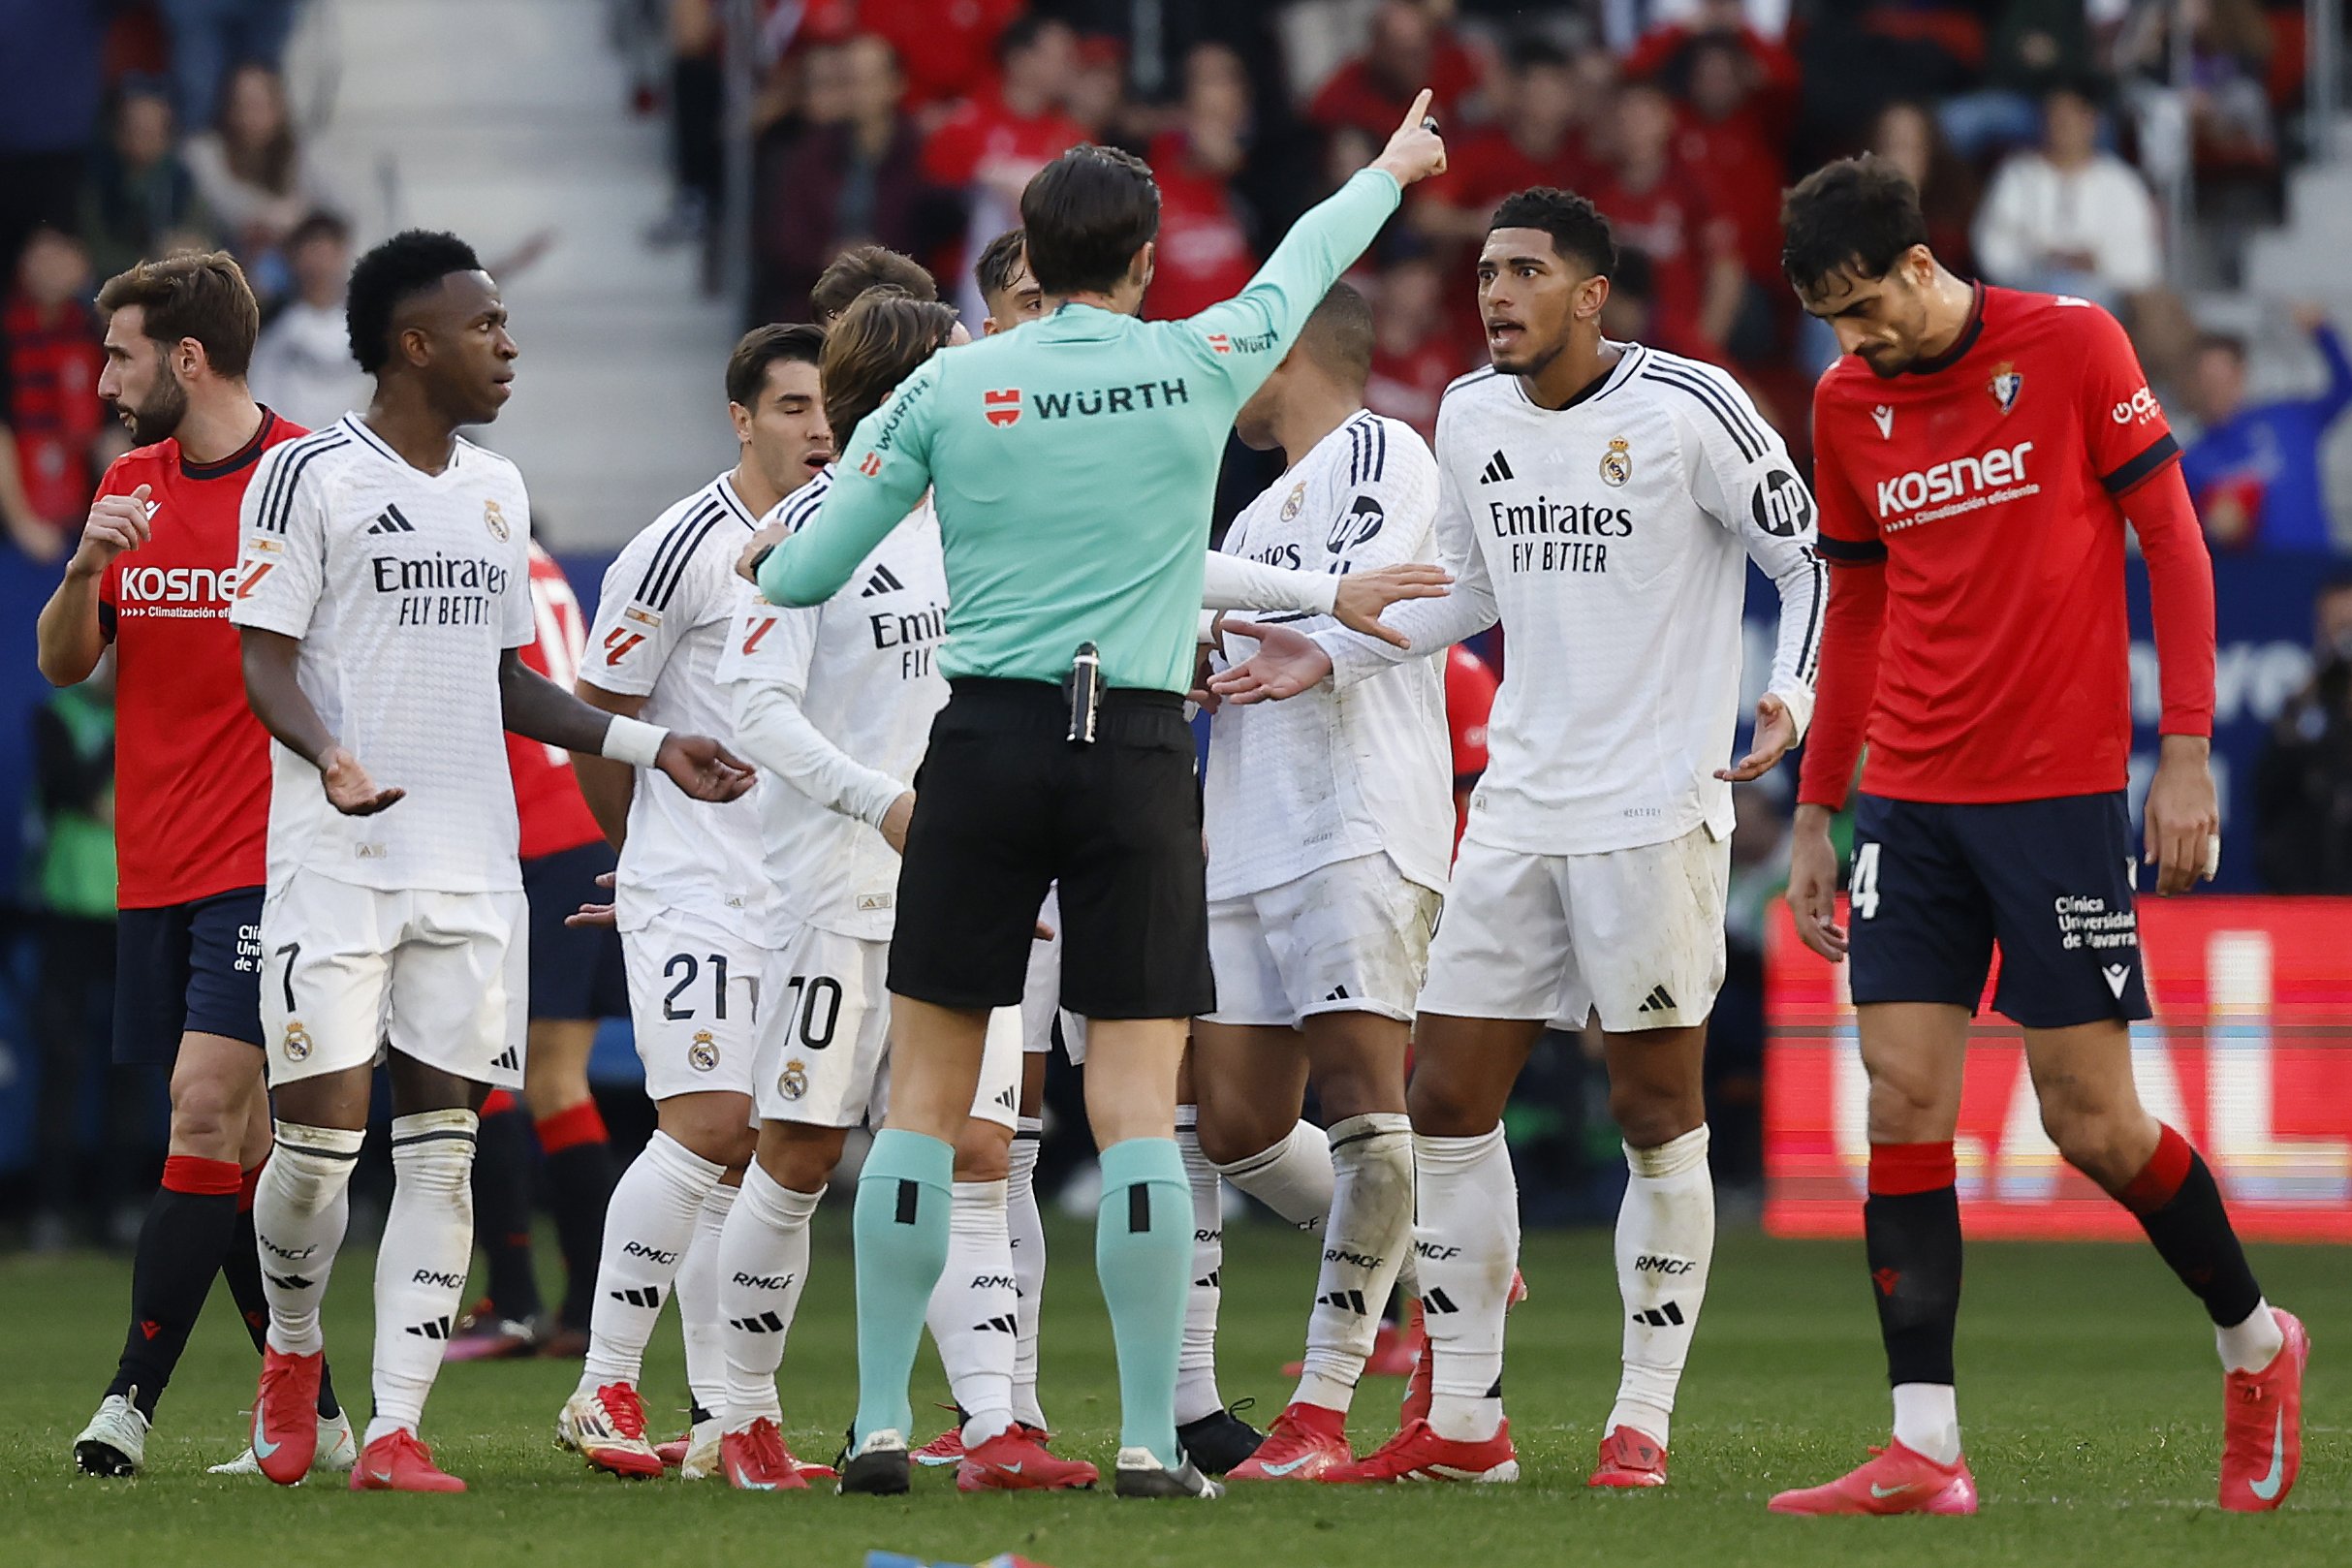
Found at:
<point>1002,406</point>
<point>2005,384</point>
<point>1617,463</point>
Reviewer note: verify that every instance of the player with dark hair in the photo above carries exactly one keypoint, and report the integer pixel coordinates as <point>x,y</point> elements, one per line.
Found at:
<point>862,268</point>
<point>153,577</point>
<point>1979,456</point>
<point>693,911</point>
<point>1602,500</point>
<point>382,602</point>
<point>1006,285</point>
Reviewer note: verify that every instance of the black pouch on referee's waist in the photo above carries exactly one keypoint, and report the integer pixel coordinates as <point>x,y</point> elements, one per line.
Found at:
<point>1083,686</point>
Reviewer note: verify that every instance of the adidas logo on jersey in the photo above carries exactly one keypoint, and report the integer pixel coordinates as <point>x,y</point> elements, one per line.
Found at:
<point>882,581</point>
<point>391,521</point>
<point>1657,1001</point>
<point>507,1061</point>
<point>1498,469</point>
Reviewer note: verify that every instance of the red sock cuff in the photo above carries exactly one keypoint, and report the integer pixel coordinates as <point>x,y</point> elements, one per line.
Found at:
<point>1898,1170</point>
<point>2161,1176</point>
<point>212,1179</point>
<point>498,1102</point>
<point>569,1128</point>
<point>247,1182</point>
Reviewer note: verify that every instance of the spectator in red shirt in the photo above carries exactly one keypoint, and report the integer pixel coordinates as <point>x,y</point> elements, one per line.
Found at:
<point>1665,55</point>
<point>949,49</point>
<point>1726,139</point>
<point>1535,142</point>
<point>1203,253</point>
<point>1409,49</point>
<point>1414,355</point>
<point>995,141</point>
<point>851,173</point>
<point>49,361</point>
<point>1658,207</point>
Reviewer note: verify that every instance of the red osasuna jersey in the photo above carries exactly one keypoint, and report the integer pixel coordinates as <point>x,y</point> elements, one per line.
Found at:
<point>1989,489</point>
<point>190,762</point>
<point>554,814</point>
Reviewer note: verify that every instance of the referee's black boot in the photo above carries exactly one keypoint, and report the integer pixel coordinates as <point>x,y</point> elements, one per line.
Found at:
<point>1219,1441</point>
<point>879,1467</point>
<point>1141,1474</point>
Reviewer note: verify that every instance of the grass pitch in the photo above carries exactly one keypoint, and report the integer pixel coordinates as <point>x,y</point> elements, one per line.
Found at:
<point>2091,1398</point>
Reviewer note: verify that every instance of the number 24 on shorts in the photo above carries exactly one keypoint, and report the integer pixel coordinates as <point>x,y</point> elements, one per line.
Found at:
<point>1862,891</point>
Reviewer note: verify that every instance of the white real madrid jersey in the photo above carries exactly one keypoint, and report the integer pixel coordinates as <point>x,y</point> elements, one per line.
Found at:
<point>405,589</point>
<point>1611,538</point>
<point>1330,775</point>
<point>863,670</point>
<point>662,621</point>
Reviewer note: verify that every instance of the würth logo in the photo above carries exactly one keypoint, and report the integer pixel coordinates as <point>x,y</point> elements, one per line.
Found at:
<point>1219,343</point>
<point>1498,469</point>
<point>1001,406</point>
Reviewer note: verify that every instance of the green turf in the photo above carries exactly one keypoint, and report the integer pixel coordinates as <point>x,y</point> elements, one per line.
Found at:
<point>2092,1409</point>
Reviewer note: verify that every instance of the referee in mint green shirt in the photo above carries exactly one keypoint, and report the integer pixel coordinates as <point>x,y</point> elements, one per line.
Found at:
<point>1070,462</point>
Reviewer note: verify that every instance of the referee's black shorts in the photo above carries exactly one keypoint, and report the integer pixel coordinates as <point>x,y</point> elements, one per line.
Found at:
<point>1005,805</point>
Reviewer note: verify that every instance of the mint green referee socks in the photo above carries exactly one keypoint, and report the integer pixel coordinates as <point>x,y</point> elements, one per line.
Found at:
<point>1142,1253</point>
<point>901,1227</point>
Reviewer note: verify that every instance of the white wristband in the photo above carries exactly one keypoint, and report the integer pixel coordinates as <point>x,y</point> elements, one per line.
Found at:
<point>633,741</point>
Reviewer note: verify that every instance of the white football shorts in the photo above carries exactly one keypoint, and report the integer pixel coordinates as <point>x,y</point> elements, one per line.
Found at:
<point>1349,937</point>
<point>824,1058</point>
<point>1636,934</point>
<point>443,978</point>
<point>1041,995</point>
<point>696,991</point>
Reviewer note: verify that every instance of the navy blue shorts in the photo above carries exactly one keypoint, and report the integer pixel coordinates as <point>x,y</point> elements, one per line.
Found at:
<point>576,971</point>
<point>1935,888</point>
<point>192,969</point>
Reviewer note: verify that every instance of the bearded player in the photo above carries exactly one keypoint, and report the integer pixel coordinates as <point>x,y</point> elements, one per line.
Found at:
<point>1980,453</point>
<point>153,576</point>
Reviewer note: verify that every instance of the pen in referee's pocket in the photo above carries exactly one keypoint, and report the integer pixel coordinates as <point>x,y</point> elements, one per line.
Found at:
<point>1084,688</point>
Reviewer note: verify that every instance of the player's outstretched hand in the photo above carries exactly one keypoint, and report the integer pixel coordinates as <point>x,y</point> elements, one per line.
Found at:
<point>349,789</point>
<point>747,564</point>
<point>1775,733</point>
<point>1415,150</point>
<point>1287,663</point>
<point>894,821</point>
<point>116,523</point>
<point>1363,595</point>
<point>1814,884</point>
<point>595,914</point>
<point>2183,815</point>
<point>703,768</point>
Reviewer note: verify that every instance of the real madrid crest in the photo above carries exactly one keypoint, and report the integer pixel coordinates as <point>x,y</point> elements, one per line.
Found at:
<point>792,1082</point>
<point>1617,463</point>
<point>2005,384</point>
<point>297,1041</point>
<point>494,521</point>
<point>704,1054</point>
<point>1298,499</point>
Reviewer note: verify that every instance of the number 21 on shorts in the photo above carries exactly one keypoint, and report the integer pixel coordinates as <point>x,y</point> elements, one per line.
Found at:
<point>1863,892</point>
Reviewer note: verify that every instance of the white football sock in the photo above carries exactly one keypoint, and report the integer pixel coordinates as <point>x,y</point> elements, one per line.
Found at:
<point>762,1262</point>
<point>2251,1345</point>
<point>1927,1420</point>
<point>1292,1179</point>
<point>1370,1231</point>
<point>1666,1242</point>
<point>300,1206</point>
<point>1027,1229</point>
<point>647,1228</point>
<point>974,1314</point>
<point>1465,1242</point>
<point>698,1301</point>
<point>422,1263</point>
<point>1197,1393</point>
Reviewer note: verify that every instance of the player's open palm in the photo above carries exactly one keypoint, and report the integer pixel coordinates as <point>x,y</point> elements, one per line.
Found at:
<point>1287,663</point>
<point>1775,733</point>
<point>349,789</point>
<point>703,768</point>
<point>1813,884</point>
<point>116,523</point>
<point>1363,595</point>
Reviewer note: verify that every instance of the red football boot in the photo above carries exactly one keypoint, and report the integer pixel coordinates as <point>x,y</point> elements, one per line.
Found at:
<point>2262,1425</point>
<point>1896,1480</point>
<point>756,1459</point>
<point>1016,1460</point>
<point>1629,1458</point>
<point>399,1461</point>
<point>1419,1454</point>
<point>286,1415</point>
<point>1305,1443</point>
